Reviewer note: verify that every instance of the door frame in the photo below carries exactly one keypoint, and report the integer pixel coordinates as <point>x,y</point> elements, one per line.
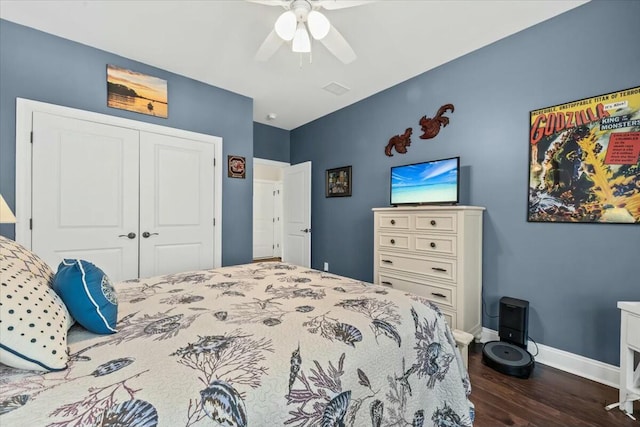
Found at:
<point>24,119</point>
<point>276,164</point>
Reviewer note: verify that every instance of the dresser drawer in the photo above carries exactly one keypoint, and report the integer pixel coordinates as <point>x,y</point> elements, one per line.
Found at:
<point>394,221</point>
<point>436,244</point>
<point>445,222</point>
<point>398,241</point>
<point>442,269</point>
<point>444,296</point>
<point>633,331</point>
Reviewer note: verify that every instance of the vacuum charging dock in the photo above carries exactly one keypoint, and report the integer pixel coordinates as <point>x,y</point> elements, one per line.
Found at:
<point>509,355</point>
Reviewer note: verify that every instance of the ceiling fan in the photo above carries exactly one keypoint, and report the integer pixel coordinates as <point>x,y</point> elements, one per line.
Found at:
<point>302,17</point>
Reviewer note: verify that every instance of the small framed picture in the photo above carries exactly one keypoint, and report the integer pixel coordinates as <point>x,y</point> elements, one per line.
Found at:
<point>338,182</point>
<point>236,167</point>
<point>137,92</point>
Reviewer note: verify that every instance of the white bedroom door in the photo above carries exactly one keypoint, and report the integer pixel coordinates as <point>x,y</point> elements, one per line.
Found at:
<point>176,204</point>
<point>85,193</point>
<point>296,189</point>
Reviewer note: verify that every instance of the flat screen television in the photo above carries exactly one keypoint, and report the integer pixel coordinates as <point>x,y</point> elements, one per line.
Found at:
<point>432,182</point>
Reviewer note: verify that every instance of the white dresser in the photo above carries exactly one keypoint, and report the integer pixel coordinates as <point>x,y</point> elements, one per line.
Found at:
<point>435,252</point>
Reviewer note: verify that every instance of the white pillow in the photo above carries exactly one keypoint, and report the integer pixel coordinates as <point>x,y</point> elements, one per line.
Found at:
<point>33,319</point>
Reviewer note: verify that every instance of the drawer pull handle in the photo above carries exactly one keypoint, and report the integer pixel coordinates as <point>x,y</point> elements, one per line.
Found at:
<point>439,269</point>
<point>433,244</point>
<point>433,222</point>
<point>393,222</point>
<point>393,242</point>
<point>387,283</point>
<point>438,294</point>
<point>387,261</point>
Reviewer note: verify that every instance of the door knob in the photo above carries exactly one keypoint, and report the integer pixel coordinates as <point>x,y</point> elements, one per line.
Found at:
<point>131,235</point>
<point>306,230</point>
<point>146,234</point>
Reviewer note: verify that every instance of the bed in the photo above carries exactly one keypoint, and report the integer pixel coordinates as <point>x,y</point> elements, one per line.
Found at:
<point>263,344</point>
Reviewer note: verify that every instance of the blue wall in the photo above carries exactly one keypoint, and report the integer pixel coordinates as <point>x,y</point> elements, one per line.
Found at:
<point>271,143</point>
<point>572,274</point>
<point>41,67</point>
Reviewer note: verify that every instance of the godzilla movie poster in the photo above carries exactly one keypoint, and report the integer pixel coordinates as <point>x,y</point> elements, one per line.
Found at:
<point>585,160</point>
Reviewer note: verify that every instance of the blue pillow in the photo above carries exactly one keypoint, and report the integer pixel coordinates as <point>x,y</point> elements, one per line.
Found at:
<point>88,294</point>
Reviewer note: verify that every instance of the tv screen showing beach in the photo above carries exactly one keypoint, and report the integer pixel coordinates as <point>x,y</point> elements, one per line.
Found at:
<point>429,182</point>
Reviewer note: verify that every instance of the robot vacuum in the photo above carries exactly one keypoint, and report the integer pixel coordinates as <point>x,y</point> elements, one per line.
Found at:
<point>508,358</point>
<point>509,355</point>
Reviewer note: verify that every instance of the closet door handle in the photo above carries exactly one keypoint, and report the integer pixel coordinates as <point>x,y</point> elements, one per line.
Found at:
<point>131,235</point>
<point>146,234</point>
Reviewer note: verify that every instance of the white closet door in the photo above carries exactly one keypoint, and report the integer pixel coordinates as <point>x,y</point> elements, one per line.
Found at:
<point>277,228</point>
<point>85,194</point>
<point>176,204</point>
<point>263,219</point>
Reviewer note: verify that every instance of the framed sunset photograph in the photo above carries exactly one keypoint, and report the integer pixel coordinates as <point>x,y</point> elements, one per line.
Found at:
<point>137,92</point>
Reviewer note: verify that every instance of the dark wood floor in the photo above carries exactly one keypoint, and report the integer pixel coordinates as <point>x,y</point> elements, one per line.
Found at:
<point>267,260</point>
<point>548,398</point>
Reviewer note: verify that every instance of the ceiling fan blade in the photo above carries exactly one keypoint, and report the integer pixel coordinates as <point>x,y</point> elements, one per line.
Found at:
<point>269,46</point>
<point>337,45</point>
<point>283,3</point>
<point>340,4</point>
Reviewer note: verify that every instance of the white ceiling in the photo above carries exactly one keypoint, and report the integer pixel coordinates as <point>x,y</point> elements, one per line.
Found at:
<point>214,42</point>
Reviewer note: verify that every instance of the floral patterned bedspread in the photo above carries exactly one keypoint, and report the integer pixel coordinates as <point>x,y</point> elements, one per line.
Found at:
<point>265,344</point>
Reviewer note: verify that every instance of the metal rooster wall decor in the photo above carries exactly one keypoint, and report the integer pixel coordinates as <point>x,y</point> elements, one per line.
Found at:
<point>431,126</point>
<point>399,142</point>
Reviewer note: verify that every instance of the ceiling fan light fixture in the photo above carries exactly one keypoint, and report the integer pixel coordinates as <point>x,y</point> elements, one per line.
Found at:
<point>318,25</point>
<point>301,42</point>
<point>285,25</point>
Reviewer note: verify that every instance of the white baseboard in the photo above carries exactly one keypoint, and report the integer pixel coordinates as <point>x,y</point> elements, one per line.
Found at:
<point>569,362</point>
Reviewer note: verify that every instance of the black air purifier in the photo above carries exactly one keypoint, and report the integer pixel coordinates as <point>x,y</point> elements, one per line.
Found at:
<point>510,355</point>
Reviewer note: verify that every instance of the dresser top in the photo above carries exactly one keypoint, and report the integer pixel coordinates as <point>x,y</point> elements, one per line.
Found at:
<point>430,208</point>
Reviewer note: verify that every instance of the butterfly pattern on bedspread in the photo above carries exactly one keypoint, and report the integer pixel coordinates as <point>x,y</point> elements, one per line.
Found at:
<point>253,345</point>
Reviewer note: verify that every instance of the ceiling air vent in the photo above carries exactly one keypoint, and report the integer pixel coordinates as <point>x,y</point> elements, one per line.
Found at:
<point>336,88</point>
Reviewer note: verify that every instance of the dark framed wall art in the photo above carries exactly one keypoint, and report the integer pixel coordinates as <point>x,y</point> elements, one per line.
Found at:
<point>584,160</point>
<point>236,167</point>
<point>338,182</point>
